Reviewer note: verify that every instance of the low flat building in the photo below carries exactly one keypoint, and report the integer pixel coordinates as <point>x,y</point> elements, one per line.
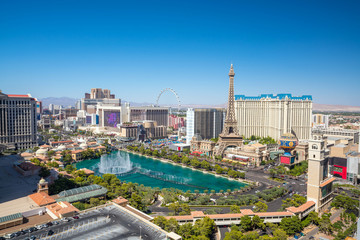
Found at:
<point>81,193</point>
<point>251,154</point>
<point>61,209</point>
<point>235,218</point>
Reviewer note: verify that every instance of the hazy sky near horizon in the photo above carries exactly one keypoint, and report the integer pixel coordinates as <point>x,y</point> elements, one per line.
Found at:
<point>137,48</point>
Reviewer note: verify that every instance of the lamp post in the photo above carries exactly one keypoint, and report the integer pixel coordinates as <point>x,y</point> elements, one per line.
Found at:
<point>140,231</point>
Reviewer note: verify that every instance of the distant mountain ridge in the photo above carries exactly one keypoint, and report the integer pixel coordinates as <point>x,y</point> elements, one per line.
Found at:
<point>66,101</point>
<point>63,101</point>
<point>334,108</point>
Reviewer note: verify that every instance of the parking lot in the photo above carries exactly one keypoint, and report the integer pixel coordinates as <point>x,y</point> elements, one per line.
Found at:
<point>105,223</point>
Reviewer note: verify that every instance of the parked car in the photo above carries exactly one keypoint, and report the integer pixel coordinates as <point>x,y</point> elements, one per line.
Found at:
<point>65,219</point>
<point>75,217</point>
<point>50,232</point>
<point>39,227</point>
<point>10,235</point>
<point>49,224</point>
<point>33,229</point>
<point>44,225</point>
<point>55,222</point>
<point>32,237</point>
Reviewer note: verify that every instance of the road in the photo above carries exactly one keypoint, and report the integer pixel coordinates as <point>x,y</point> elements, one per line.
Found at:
<point>316,230</point>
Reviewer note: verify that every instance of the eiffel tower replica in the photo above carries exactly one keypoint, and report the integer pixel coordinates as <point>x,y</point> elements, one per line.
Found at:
<point>230,135</point>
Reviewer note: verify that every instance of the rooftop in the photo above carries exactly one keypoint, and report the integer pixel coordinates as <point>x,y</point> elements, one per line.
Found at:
<point>281,96</point>
<point>81,193</point>
<point>42,199</point>
<point>17,205</point>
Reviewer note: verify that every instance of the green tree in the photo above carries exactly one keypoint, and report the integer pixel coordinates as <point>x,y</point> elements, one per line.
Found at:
<point>258,222</point>
<point>67,158</point>
<point>172,225</point>
<point>205,165</point>
<point>246,223</point>
<point>291,225</point>
<point>44,172</point>
<point>195,163</point>
<point>233,235</point>
<point>345,202</point>
<point>260,207</point>
<point>205,227</point>
<point>175,206</point>
<point>160,221</point>
<point>185,209</point>
<point>70,168</point>
<point>280,234</point>
<point>186,230</point>
<point>136,202</point>
<point>185,160</point>
<point>235,209</point>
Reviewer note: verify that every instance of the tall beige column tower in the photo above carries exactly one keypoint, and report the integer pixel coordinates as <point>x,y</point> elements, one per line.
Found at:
<point>319,187</point>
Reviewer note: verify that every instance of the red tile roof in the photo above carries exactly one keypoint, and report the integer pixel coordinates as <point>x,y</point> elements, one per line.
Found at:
<point>120,200</point>
<point>301,208</point>
<point>327,182</point>
<point>61,208</point>
<point>19,95</point>
<point>197,214</point>
<point>247,212</point>
<point>268,214</point>
<point>42,198</point>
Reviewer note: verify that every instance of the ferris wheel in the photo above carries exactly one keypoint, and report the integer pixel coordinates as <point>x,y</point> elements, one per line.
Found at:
<point>169,90</point>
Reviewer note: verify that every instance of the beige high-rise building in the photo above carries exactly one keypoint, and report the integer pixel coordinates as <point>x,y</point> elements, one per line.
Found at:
<point>98,96</point>
<point>269,115</point>
<point>18,121</point>
<point>319,187</point>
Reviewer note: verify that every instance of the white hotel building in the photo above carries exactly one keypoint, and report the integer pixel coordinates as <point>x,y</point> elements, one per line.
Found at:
<point>269,115</point>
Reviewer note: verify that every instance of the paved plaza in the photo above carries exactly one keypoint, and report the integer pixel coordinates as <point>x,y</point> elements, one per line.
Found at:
<point>13,185</point>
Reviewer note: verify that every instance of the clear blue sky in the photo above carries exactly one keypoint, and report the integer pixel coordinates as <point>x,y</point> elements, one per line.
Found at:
<point>136,48</point>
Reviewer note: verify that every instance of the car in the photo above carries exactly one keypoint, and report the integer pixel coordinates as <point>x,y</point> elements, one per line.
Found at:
<point>65,219</point>
<point>32,237</point>
<point>50,232</point>
<point>33,229</point>
<point>10,235</point>
<point>311,237</point>
<point>55,222</point>
<point>39,227</point>
<point>2,238</point>
<point>49,224</point>
<point>44,225</point>
<point>75,217</point>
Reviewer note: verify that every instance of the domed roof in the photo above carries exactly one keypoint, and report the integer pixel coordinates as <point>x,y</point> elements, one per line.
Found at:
<point>41,151</point>
<point>42,181</point>
<point>197,137</point>
<point>288,141</point>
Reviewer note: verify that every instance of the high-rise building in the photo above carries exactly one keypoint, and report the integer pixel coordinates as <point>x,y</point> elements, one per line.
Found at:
<point>319,187</point>
<point>149,113</point>
<point>207,122</point>
<point>269,115</point>
<point>98,96</point>
<point>339,133</point>
<point>320,120</point>
<point>17,121</point>
<point>176,122</point>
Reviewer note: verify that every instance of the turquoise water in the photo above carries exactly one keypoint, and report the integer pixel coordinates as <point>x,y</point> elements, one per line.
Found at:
<point>154,173</point>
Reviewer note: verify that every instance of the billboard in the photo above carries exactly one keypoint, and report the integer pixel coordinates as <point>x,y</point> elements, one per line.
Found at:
<point>111,118</point>
<point>88,119</point>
